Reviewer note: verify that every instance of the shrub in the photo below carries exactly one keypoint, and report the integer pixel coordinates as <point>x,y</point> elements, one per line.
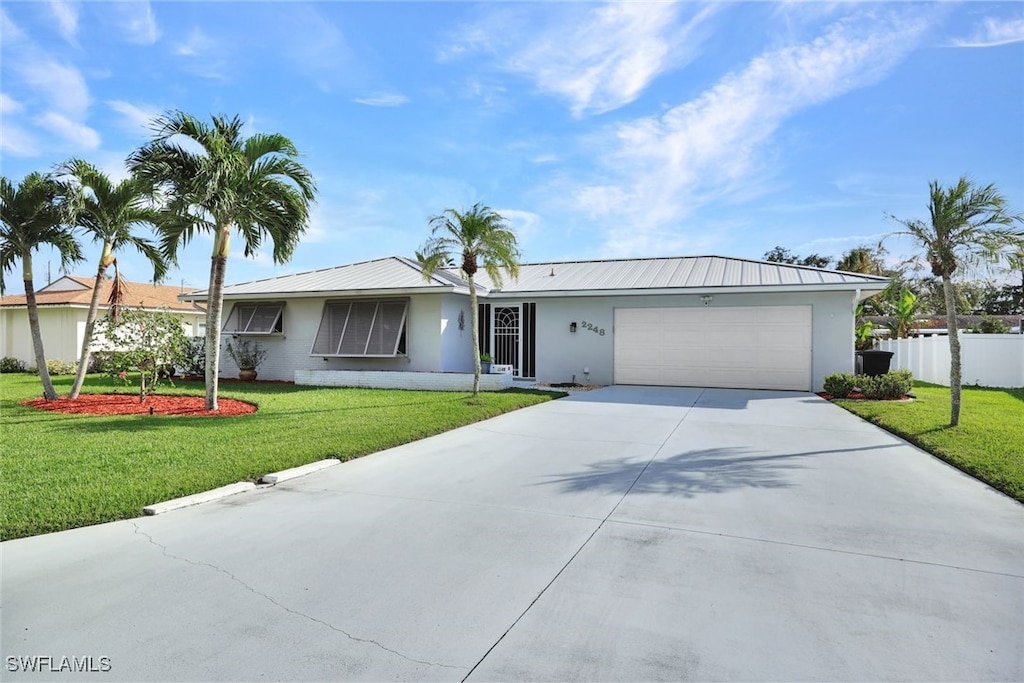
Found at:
<point>840,384</point>
<point>990,325</point>
<point>99,361</point>
<point>58,366</point>
<point>193,361</point>
<point>9,364</point>
<point>893,384</point>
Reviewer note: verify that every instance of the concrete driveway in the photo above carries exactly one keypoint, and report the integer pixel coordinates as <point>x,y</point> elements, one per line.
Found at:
<point>628,533</point>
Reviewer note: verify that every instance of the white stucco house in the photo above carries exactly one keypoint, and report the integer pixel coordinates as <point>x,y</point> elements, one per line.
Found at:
<point>687,321</point>
<point>63,306</point>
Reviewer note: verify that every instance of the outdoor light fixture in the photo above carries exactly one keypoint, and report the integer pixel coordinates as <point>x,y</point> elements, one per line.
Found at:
<point>706,299</point>
<point>572,327</point>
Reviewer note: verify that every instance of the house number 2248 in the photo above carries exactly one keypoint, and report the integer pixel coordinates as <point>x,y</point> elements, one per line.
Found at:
<point>592,327</point>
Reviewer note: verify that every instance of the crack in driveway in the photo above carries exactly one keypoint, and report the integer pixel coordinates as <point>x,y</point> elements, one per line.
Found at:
<point>369,641</point>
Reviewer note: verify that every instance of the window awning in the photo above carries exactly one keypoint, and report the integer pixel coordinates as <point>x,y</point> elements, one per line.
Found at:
<point>361,328</point>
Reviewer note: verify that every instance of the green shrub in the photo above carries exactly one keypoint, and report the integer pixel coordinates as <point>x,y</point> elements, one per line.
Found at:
<point>893,384</point>
<point>840,384</point>
<point>9,364</point>
<point>990,325</point>
<point>194,359</point>
<point>98,362</point>
<point>59,366</point>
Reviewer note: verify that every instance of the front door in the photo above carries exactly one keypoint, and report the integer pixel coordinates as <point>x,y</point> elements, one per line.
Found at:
<point>507,349</point>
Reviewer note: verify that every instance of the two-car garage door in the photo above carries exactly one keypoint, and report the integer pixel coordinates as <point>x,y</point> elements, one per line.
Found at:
<point>753,347</point>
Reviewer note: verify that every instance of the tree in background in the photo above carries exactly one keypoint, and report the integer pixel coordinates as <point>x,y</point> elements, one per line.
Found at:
<point>477,238</point>
<point>968,225</point>
<point>865,260</point>
<point>109,214</point>
<point>218,181</point>
<point>782,255</point>
<point>34,214</point>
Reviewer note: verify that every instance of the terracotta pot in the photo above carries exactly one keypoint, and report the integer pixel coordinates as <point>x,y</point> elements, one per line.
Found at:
<point>247,375</point>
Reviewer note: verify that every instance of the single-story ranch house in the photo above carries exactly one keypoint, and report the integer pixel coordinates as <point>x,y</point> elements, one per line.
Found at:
<point>688,321</point>
<point>63,306</point>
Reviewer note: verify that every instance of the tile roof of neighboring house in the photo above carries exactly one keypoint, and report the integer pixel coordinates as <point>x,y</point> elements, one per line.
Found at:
<point>396,273</point>
<point>75,291</point>
<point>378,275</point>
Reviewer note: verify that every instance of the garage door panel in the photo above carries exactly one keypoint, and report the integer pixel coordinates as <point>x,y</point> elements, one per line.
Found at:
<point>766,347</point>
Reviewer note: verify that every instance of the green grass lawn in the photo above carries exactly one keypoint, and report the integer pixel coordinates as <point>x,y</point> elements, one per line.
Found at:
<point>988,443</point>
<point>62,471</point>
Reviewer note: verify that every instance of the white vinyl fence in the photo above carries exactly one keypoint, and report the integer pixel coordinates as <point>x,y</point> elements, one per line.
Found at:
<point>988,360</point>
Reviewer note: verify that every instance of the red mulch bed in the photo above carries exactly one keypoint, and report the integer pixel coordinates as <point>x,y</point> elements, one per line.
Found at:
<point>128,404</point>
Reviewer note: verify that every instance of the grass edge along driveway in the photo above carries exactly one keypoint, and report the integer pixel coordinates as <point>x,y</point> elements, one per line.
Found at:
<point>64,471</point>
<point>988,443</point>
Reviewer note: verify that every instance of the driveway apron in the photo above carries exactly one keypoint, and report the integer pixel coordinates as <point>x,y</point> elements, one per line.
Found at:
<point>628,533</point>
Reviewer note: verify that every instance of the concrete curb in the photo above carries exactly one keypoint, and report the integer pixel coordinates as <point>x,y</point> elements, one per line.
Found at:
<point>197,498</point>
<point>285,475</point>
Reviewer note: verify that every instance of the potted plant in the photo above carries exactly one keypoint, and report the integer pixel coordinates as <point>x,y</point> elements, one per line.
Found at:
<point>485,363</point>
<point>247,356</point>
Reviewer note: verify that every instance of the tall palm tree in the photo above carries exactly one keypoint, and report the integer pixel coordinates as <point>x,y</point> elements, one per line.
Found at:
<point>479,237</point>
<point>32,215</point>
<point>216,180</point>
<point>109,213</point>
<point>969,225</point>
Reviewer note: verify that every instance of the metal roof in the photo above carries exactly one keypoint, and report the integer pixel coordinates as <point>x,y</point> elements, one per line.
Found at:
<point>396,273</point>
<point>686,272</point>
<point>391,273</point>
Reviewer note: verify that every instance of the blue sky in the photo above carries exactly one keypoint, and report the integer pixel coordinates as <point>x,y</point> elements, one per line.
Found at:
<point>598,130</point>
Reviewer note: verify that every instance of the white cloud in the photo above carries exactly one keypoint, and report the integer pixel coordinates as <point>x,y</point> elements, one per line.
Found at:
<point>79,135</point>
<point>63,86</point>
<point>608,58</point>
<point>9,105</point>
<point>525,224</point>
<point>137,21</point>
<point>195,44</point>
<point>992,32</point>
<point>18,142</point>
<point>66,14</point>
<point>383,99</point>
<point>9,29</point>
<point>136,118</point>
<point>662,167</point>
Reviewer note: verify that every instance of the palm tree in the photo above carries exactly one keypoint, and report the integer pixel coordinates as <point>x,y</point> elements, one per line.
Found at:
<point>216,180</point>
<point>479,237</point>
<point>109,213</point>
<point>969,225</point>
<point>31,215</point>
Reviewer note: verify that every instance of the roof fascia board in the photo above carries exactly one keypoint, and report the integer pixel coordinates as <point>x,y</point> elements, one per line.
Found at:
<point>329,293</point>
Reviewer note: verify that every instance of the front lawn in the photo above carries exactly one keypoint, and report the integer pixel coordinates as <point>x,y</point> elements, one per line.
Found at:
<point>62,471</point>
<point>988,443</point>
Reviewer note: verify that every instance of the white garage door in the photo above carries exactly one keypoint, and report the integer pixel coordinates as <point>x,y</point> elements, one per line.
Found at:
<point>752,347</point>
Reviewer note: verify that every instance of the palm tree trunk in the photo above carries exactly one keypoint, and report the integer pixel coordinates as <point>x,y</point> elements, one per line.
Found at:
<point>474,315</point>
<point>49,393</point>
<point>214,309</point>
<point>90,324</point>
<point>954,352</point>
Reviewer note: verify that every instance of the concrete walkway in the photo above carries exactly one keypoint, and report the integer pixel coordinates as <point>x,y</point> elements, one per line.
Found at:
<point>626,533</point>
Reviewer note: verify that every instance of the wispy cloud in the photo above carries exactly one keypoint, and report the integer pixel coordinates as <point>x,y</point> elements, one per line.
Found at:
<point>9,105</point>
<point>18,142</point>
<point>606,60</point>
<point>992,32</point>
<point>383,99</point>
<point>137,21</point>
<point>63,86</point>
<point>195,44</point>
<point>135,118</point>
<point>77,134</point>
<point>66,14</point>
<point>662,167</point>
<point>598,58</point>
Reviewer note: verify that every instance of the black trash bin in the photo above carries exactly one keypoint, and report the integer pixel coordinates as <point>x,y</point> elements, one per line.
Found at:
<point>875,361</point>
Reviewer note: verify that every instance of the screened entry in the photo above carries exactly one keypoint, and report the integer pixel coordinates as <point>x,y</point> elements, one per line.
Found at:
<point>507,332</point>
<point>362,328</point>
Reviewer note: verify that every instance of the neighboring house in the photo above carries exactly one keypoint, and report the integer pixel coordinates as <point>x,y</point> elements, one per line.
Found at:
<point>63,306</point>
<point>936,325</point>
<point>697,321</point>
